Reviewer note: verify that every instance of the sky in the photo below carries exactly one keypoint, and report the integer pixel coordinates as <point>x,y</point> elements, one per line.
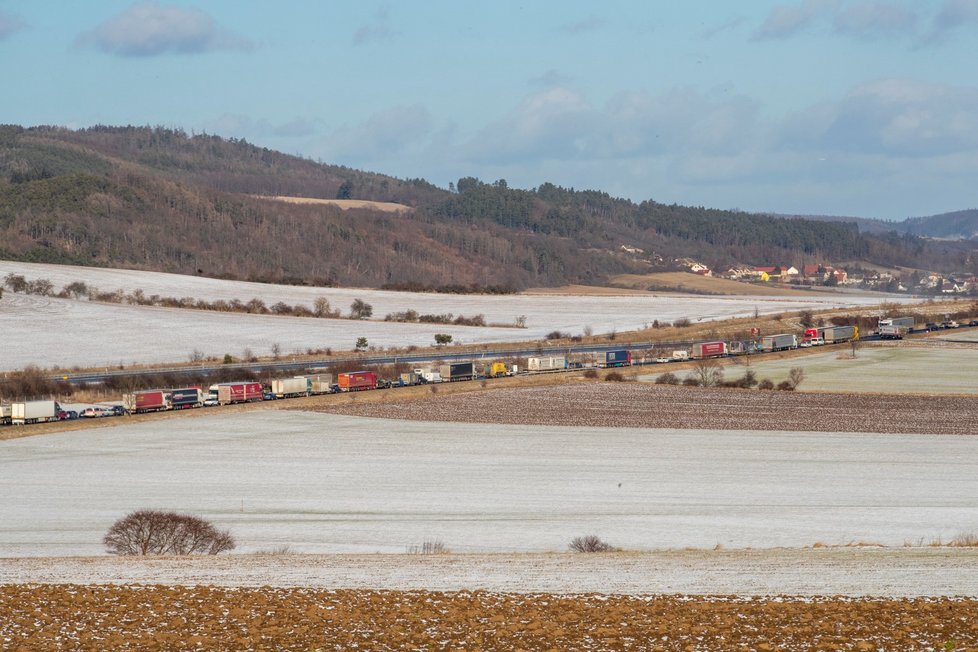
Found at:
<point>838,107</point>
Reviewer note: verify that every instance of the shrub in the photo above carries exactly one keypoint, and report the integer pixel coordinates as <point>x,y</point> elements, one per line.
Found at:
<point>786,386</point>
<point>765,384</point>
<point>667,378</point>
<point>152,532</point>
<point>429,548</point>
<point>556,335</point>
<point>590,543</point>
<point>690,381</point>
<point>795,376</point>
<point>614,377</point>
<point>591,373</point>
<point>682,322</point>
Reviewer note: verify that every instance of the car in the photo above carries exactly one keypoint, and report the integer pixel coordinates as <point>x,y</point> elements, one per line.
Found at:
<point>117,411</point>
<point>268,396</point>
<point>211,401</point>
<point>663,360</point>
<point>973,322</point>
<point>805,344</point>
<point>91,412</point>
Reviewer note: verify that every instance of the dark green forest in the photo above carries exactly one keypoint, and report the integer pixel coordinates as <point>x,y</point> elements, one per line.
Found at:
<point>159,199</point>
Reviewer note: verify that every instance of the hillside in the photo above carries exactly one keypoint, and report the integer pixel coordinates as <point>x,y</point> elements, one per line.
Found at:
<point>158,199</point>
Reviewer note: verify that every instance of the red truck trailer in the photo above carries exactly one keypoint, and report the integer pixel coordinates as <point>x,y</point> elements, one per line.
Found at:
<point>240,392</point>
<point>356,381</point>
<point>708,350</point>
<point>152,400</point>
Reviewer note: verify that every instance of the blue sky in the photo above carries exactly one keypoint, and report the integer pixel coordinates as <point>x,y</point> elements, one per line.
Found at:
<point>844,107</point>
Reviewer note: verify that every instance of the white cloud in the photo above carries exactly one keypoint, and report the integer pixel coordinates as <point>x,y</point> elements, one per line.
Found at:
<point>787,20</point>
<point>241,126</point>
<point>149,29</point>
<point>9,23</point>
<point>379,29</point>
<point>954,15</point>
<point>905,118</point>
<point>589,24</point>
<point>854,18</point>
<point>384,135</point>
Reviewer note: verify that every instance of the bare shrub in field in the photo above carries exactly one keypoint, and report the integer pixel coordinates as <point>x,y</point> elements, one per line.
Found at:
<point>964,540</point>
<point>614,377</point>
<point>786,386</point>
<point>691,381</point>
<point>765,384</point>
<point>667,378</point>
<point>429,548</point>
<point>795,376</point>
<point>152,532</point>
<point>591,543</point>
<point>591,373</point>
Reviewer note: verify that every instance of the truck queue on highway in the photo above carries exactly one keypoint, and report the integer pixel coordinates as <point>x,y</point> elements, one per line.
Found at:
<point>247,391</point>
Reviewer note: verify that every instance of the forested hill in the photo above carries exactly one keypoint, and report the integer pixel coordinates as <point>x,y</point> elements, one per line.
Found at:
<point>158,199</point>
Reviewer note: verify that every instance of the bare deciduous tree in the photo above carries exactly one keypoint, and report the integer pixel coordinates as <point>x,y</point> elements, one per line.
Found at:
<point>153,532</point>
<point>708,372</point>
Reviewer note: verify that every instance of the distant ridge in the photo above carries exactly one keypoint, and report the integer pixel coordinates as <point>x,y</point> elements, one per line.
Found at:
<point>160,199</point>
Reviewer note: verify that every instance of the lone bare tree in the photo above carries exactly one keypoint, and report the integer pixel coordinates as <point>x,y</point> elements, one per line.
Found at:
<point>708,372</point>
<point>153,532</point>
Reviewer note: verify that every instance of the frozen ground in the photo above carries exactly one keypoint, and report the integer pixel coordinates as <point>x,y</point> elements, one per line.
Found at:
<point>892,572</point>
<point>47,332</point>
<point>331,484</point>
<point>877,369</point>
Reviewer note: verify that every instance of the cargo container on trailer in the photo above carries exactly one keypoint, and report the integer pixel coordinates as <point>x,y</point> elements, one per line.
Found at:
<point>150,400</point>
<point>620,358</point>
<point>186,397</point>
<point>551,363</point>
<point>457,371</point>
<point>679,356</point>
<point>356,381</point>
<point>836,334</point>
<point>320,383</point>
<point>496,370</point>
<point>899,321</point>
<point>34,412</point>
<point>291,387</point>
<point>238,392</point>
<point>779,342</point>
<point>708,350</point>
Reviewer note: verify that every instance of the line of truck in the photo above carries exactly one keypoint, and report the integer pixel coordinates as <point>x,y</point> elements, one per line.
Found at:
<point>157,400</point>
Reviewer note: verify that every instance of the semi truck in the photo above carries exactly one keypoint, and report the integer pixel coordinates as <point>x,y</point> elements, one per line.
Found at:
<point>150,400</point>
<point>237,392</point>
<point>5,413</point>
<point>457,371</point>
<point>356,381</point>
<point>291,387</point>
<point>680,355</point>
<point>620,358</point>
<point>780,342</point>
<point>34,412</point>
<point>701,350</point>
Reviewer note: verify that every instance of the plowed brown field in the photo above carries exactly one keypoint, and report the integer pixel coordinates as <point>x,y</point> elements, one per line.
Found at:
<point>69,617</point>
<point>641,405</point>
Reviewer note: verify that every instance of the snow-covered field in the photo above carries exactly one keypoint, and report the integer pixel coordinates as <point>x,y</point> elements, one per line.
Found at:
<point>321,483</point>
<point>876,369</point>
<point>894,572</point>
<point>47,332</point>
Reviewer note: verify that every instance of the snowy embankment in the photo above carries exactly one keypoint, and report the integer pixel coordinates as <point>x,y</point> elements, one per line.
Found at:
<point>328,484</point>
<point>64,332</point>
